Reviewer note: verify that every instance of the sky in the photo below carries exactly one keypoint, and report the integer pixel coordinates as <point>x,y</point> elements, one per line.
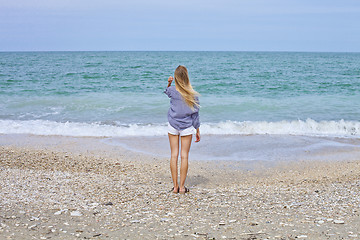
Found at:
<point>187,25</point>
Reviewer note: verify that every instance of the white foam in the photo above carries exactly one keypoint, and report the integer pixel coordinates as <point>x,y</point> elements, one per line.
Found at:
<point>44,127</point>
<point>306,128</point>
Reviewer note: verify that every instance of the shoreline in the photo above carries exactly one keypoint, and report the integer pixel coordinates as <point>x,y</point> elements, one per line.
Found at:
<point>68,188</point>
<point>249,149</point>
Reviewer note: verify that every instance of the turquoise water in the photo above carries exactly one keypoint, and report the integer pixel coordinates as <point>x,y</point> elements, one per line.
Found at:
<point>120,93</point>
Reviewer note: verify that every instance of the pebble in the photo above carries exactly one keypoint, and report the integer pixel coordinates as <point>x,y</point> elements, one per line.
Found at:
<point>32,226</point>
<point>34,218</point>
<point>60,211</point>
<point>216,211</point>
<point>93,205</point>
<point>75,214</point>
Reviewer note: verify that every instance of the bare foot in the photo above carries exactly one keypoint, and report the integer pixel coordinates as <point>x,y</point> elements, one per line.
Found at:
<point>175,190</point>
<point>183,190</point>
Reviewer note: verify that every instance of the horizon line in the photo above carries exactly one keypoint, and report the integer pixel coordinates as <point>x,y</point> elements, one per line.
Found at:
<point>284,51</point>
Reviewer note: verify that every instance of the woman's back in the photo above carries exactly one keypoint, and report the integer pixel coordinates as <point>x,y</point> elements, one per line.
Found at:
<point>180,115</point>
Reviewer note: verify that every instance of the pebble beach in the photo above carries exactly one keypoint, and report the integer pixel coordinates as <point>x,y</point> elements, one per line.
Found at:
<point>75,188</point>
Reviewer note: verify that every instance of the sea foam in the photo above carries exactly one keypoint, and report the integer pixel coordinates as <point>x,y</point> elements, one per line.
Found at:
<point>308,127</point>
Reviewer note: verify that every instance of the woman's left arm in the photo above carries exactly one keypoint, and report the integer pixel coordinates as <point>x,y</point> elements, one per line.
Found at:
<point>197,135</point>
<point>195,120</point>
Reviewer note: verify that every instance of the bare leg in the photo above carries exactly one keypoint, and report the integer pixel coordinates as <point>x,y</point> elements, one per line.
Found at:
<point>174,146</point>
<point>185,148</point>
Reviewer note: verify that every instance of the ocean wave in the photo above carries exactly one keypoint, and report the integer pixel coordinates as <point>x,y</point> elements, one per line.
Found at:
<point>309,127</point>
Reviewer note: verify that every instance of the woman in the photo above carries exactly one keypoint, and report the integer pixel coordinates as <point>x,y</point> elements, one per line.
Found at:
<point>183,117</point>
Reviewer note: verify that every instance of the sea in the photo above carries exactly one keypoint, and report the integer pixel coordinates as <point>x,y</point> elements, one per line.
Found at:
<point>254,105</point>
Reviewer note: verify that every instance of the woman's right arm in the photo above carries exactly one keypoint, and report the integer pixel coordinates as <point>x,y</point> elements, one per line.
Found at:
<point>168,90</point>
<point>170,79</point>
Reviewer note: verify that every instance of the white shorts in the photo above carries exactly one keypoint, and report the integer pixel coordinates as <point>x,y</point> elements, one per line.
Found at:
<point>188,131</point>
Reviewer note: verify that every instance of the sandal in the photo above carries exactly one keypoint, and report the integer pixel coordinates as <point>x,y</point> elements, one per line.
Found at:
<point>186,190</point>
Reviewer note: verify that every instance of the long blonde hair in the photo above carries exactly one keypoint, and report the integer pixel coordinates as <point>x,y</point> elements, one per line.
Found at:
<point>183,86</point>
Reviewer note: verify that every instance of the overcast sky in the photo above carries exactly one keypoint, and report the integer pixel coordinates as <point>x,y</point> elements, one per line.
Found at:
<point>239,25</point>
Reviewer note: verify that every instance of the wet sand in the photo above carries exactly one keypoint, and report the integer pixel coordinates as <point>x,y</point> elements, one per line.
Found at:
<point>81,188</point>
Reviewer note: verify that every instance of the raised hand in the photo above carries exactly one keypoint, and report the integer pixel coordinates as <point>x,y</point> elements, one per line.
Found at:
<point>170,79</point>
